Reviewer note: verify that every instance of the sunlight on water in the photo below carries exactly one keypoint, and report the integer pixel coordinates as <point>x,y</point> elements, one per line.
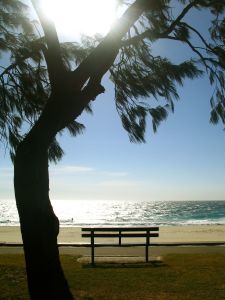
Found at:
<point>92,212</point>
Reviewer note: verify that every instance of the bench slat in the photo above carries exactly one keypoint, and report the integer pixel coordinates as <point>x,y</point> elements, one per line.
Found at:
<point>108,229</point>
<point>114,235</point>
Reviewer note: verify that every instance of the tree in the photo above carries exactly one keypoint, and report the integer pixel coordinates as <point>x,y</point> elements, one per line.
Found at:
<point>41,88</point>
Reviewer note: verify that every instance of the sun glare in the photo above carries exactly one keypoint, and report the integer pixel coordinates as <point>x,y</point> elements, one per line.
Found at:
<point>75,17</point>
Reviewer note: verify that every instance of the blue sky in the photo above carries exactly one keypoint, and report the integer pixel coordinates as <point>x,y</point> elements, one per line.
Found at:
<point>184,160</point>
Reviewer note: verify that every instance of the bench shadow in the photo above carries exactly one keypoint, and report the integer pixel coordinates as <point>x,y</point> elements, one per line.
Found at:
<point>120,265</point>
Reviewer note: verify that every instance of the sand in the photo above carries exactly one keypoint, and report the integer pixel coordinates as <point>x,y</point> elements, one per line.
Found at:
<point>197,233</point>
<point>167,234</point>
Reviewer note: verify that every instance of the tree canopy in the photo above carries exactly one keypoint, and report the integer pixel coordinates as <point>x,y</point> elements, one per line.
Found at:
<point>145,83</point>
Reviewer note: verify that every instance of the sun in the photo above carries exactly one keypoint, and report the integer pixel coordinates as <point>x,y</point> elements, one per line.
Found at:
<point>76,17</point>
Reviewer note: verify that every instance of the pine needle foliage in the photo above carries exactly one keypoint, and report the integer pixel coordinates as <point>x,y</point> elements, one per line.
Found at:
<point>141,77</point>
<point>24,81</point>
<point>145,84</point>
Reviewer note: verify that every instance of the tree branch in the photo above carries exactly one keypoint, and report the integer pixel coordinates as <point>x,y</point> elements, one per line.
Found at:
<point>197,52</point>
<point>181,16</point>
<point>101,59</point>
<point>53,56</point>
<point>199,35</point>
<point>152,35</point>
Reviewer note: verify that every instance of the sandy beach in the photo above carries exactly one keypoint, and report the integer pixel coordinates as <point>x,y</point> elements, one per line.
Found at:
<point>197,233</point>
<point>167,234</point>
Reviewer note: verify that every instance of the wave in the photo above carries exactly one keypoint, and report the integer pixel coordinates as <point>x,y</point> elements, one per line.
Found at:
<point>123,213</point>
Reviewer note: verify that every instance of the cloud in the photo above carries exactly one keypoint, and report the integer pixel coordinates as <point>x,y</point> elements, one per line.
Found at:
<point>116,174</point>
<point>73,169</point>
<point>119,183</point>
<point>6,172</point>
<point>69,169</point>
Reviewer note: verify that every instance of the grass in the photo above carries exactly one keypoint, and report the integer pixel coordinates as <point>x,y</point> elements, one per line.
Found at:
<point>179,277</point>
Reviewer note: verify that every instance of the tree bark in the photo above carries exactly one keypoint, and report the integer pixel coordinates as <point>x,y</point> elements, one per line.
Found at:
<point>39,225</point>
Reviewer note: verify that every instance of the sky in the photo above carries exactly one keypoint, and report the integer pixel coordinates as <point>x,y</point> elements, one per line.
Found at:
<point>184,160</point>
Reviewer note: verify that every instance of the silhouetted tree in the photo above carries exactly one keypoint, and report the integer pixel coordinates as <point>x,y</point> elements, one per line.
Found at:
<point>48,84</point>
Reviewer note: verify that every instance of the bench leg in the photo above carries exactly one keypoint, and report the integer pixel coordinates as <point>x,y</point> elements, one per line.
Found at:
<point>92,248</point>
<point>92,255</point>
<point>146,253</point>
<point>147,244</point>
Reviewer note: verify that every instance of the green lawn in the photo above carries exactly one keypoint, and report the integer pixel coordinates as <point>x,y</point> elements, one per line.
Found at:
<point>179,277</point>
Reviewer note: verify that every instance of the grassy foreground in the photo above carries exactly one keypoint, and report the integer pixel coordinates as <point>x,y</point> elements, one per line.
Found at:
<point>183,276</point>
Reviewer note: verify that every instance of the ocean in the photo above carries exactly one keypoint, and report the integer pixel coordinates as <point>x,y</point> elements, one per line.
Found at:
<point>127,213</point>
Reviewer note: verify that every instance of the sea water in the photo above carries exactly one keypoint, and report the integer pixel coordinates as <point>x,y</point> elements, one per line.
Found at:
<point>127,213</point>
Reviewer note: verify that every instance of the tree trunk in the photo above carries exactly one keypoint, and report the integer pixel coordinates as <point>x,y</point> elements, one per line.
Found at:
<point>39,224</point>
<point>71,92</point>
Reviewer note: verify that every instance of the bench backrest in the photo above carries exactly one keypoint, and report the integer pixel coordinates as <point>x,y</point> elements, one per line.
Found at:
<point>127,232</point>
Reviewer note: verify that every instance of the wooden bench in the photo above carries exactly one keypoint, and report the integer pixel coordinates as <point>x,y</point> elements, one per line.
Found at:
<point>119,232</point>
